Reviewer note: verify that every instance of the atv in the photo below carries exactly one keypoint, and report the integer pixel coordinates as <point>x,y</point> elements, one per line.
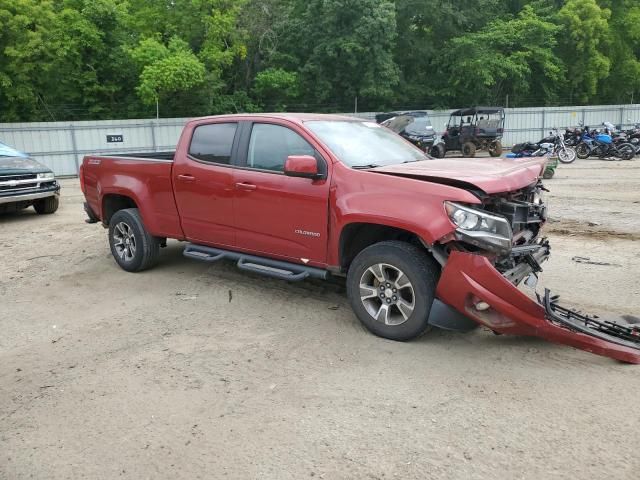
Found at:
<point>470,130</point>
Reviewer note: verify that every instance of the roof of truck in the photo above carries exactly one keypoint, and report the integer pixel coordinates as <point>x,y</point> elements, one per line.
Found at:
<point>293,117</point>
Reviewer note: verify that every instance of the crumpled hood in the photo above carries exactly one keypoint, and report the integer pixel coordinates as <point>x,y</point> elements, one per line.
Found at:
<point>491,175</point>
<point>19,165</point>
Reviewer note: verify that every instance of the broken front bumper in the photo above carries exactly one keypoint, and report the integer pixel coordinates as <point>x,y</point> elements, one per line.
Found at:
<point>471,284</point>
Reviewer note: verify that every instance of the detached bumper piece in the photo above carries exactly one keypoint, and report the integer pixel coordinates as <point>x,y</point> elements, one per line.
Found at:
<point>471,284</point>
<point>624,335</point>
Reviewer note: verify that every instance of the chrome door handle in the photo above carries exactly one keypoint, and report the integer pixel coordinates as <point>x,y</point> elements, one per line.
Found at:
<point>245,186</point>
<point>186,177</point>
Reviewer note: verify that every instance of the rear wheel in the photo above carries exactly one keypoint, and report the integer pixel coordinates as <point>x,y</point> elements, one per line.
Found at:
<point>626,151</point>
<point>495,149</point>
<point>47,205</point>
<point>133,248</point>
<point>469,149</point>
<point>438,151</point>
<point>391,286</point>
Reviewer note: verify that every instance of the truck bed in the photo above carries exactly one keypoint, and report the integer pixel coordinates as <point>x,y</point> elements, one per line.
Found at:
<point>143,177</point>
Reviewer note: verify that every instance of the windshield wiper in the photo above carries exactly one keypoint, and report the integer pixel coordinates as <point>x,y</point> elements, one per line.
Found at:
<point>365,167</point>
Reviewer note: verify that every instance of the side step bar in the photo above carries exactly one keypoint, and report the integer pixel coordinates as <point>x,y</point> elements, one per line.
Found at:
<point>291,272</point>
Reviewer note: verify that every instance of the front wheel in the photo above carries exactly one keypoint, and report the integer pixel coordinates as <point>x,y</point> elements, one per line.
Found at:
<point>133,248</point>
<point>567,155</point>
<point>582,151</point>
<point>495,149</point>
<point>46,206</point>
<point>469,150</point>
<point>438,151</point>
<point>391,286</point>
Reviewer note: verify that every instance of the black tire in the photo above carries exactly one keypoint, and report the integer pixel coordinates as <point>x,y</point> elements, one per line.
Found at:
<point>422,272</point>
<point>582,151</point>
<point>47,205</point>
<point>438,151</point>
<point>495,149</point>
<point>626,151</point>
<point>146,247</point>
<point>469,150</point>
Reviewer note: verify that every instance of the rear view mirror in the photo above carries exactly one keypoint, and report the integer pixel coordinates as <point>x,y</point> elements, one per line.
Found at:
<point>304,166</point>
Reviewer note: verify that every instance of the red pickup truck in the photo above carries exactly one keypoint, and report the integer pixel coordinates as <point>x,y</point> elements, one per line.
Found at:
<point>298,196</point>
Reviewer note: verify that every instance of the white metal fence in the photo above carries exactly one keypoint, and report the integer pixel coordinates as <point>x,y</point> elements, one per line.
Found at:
<point>61,145</point>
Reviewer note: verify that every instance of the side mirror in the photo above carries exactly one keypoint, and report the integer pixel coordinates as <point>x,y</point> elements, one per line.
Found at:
<point>303,166</point>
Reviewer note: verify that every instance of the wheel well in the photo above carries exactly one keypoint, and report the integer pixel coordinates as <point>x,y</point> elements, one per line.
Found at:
<point>355,237</point>
<point>112,203</point>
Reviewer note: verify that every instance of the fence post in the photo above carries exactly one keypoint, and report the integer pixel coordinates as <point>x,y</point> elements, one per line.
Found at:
<point>584,115</point>
<point>622,120</point>
<point>544,114</point>
<point>74,146</point>
<point>153,136</point>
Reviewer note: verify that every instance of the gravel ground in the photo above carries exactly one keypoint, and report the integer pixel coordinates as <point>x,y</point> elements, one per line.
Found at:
<point>197,371</point>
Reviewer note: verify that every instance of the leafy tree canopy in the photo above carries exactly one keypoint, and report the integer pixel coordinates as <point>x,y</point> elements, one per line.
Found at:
<point>99,59</point>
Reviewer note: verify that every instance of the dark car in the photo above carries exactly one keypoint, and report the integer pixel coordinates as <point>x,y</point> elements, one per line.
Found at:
<point>25,182</point>
<point>415,126</point>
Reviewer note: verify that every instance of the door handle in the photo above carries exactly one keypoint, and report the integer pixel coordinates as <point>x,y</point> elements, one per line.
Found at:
<point>245,186</point>
<point>186,177</point>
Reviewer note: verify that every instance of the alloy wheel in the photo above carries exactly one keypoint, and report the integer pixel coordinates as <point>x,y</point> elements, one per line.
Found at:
<point>124,241</point>
<point>387,294</point>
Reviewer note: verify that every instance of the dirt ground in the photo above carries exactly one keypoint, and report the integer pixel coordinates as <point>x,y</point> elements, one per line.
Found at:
<point>198,371</point>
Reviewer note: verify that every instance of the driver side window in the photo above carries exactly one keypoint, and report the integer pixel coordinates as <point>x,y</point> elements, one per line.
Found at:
<point>270,145</point>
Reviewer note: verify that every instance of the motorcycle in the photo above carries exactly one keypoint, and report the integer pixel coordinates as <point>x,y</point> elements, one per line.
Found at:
<point>572,136</point>
<point>601,144</point>
<point>553,145</point>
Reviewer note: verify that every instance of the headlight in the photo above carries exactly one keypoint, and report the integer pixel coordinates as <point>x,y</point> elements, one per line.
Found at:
<point>480,228</point>
<point>46,176</point>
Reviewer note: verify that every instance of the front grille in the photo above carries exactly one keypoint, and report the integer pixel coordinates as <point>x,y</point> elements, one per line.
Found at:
<point>16,183</point>
<point>26,176</point>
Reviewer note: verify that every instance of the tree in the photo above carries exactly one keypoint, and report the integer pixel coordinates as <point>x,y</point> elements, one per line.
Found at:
<point>623,83</point>
<point>345,50</point>
<point>274,87</point>
<point>166,70</point>
<point>508,57</point>
<point>584,39</point>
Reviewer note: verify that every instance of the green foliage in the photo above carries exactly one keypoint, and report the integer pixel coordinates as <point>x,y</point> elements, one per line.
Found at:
<point>504,57</point>
<point>92,59</point>
<point>273,87</point>
<point>583,44</point>
<point>178,71</point>
<point>344,48</point>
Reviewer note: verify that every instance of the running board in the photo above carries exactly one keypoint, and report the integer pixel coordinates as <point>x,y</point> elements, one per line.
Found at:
<point>291,272</point>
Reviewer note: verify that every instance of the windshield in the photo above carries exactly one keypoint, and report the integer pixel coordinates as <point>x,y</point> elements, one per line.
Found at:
<point>365,144</point>
<point>7,151</point>
<point>419,126</point>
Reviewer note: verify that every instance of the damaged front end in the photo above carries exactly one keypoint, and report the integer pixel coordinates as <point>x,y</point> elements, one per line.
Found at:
<point>497,246</point>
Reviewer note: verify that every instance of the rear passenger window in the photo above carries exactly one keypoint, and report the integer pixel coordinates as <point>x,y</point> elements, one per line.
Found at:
<point>270,145</point>
<point>213,143</point>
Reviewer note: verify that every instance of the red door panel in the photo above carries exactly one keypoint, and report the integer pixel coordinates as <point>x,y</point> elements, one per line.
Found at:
<point>282,216</point>
<point>203,185</point>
